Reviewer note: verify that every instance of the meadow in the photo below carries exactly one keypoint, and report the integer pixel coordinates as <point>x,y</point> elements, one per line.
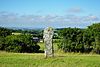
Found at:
<point>38,60</point>
<point>8,59</point>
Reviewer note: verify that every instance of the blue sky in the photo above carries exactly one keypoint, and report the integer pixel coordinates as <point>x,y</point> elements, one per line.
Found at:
<point>44,13</point>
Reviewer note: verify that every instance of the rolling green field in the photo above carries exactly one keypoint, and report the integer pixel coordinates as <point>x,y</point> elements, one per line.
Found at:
<point>38,60</point>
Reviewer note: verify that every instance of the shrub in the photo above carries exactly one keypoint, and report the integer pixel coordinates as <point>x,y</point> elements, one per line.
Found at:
<point>20,43</point>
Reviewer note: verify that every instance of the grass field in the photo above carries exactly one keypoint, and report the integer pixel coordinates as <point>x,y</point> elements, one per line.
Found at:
<point>38,60</point>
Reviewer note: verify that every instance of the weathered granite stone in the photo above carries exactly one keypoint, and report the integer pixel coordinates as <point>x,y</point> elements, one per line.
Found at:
<point>48,38</point>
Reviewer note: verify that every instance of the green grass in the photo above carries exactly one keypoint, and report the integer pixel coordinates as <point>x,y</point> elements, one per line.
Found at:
<point>38,60</point>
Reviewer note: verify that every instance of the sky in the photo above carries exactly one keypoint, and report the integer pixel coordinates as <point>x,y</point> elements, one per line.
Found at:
<point>53,13</point>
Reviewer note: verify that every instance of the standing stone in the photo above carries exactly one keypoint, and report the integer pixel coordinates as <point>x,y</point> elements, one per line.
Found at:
<point>48,38</point>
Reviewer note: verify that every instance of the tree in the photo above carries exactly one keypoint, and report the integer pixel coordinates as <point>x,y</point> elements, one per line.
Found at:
<point>72,40</point>
<point>4,32</point>
<point>20,43</point>
<point>95,36</point>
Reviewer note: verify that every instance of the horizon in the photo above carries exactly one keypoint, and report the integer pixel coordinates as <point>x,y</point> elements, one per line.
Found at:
<point>53,13</point>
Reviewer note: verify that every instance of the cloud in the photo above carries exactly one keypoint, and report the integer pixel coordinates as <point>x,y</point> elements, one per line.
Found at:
<point>15,20</point>
<point>75,10</point>
<point>91,18</point>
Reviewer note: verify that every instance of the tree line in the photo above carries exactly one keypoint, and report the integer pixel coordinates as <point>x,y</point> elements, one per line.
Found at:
<point>18,43</point>
<point>70,39</point>
<point>80,40</point>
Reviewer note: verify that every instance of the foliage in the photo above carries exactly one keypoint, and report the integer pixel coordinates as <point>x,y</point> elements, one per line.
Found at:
<point>72,40</point>
<point>20,43</point>
<point>81,40</point>
<point>4,32</point>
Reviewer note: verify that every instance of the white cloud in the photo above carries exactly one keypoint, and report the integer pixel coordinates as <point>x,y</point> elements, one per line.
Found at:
<point>11,19</point>
<point>91,18</point>
<point>75,10</point>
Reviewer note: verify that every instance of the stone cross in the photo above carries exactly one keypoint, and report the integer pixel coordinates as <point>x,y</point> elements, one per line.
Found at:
<point>48,38</point>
